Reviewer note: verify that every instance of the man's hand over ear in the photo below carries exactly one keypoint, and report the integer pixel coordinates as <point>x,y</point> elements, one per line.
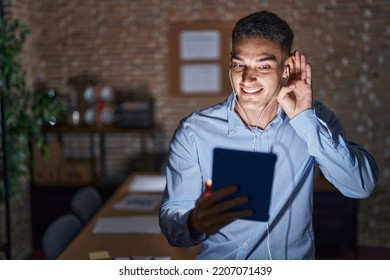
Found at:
<point>297,95</point>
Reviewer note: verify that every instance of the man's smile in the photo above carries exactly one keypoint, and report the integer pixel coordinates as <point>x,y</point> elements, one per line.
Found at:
<point>247,90</point>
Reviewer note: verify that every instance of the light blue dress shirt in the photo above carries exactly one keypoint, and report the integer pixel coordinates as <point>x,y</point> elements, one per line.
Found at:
<point>315,136</point>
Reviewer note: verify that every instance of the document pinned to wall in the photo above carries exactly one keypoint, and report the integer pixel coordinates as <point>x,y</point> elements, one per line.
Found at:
<point>147,224</point>
<point>148,183</point>
<point>200,78</point>
<point>139,202</point>
<point>200,44</point>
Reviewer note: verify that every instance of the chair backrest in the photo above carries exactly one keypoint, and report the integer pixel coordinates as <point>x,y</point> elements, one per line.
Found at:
<point>85,203</point>
<point>59,234</point>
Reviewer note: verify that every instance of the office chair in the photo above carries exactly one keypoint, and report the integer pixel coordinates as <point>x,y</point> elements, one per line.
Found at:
<point>59,234</point>
<point>85,203</point>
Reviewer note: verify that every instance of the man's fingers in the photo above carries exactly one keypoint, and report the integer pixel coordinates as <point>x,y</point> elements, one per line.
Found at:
<point>207,204</point>
<point>218,195</point>
<point>215,223</point>
<point>297,65</point>
<point>211,214</point>
<point>284,91</point>
<point>308,74</point>
<point>303,67</point>
<point>228,218</point>
<point>208,186</point>
<point>210,207</point>
<point>228,204</point>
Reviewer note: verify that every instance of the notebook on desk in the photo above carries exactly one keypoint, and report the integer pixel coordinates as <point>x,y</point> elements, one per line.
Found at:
<point>145,224</point>
<point>148,183</point>
<point>252,172</point>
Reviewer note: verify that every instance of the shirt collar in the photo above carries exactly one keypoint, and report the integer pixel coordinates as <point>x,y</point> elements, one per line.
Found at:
<point>235,122</point>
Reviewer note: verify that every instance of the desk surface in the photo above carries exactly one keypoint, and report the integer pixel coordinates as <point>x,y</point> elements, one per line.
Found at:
<point>122,245</point>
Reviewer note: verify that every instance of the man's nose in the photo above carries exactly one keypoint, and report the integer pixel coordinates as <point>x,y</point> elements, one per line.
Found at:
<point>248,75</point>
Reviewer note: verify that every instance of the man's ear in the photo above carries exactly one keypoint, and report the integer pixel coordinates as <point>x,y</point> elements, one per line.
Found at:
<point>230,60</point>
<point>288,70</point>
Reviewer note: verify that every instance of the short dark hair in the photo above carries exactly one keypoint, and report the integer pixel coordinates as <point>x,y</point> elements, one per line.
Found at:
<point>265,25</point>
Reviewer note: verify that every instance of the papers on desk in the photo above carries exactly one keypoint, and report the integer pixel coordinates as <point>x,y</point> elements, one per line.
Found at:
<point>139,202</point>
<point>99,255</point>
<point>127,225</point>
<point>148,183</point>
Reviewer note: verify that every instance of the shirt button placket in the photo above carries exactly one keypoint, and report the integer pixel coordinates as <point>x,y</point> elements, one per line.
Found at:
<point>243,250</point>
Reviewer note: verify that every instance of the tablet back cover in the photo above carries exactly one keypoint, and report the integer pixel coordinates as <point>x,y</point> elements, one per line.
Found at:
<point>252,172</point>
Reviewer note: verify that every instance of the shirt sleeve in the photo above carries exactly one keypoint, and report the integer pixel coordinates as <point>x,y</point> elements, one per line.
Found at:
<point>347,165</point>
<point>184,186</point>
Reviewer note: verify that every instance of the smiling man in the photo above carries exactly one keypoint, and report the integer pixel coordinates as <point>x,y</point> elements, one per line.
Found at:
<point>269,110</point>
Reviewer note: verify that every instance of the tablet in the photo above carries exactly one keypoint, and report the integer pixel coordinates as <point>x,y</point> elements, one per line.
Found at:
<point>252,172</point>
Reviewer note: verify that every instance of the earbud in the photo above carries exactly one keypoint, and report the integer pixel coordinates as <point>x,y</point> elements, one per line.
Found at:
<point>287,71</point>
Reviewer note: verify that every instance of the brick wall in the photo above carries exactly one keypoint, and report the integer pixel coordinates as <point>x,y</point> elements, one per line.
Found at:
<point>124,44</point>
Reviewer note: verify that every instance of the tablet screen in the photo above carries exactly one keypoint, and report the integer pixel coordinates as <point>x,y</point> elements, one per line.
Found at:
<point>252,172</point>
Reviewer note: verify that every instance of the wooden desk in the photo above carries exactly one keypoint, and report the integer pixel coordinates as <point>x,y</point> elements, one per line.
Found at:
<point>122,245</point>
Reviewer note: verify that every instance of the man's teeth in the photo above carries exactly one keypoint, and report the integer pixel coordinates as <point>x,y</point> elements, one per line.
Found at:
<point>251,90</point>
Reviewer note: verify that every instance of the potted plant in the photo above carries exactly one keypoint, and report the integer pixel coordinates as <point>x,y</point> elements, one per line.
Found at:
<point>25,111</point>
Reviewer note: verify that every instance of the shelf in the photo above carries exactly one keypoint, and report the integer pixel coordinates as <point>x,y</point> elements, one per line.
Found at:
<point>97,169</point>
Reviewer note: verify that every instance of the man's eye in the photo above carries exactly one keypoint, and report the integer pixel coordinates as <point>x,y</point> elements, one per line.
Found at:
<point>264,67</point>
<point>237,66</point>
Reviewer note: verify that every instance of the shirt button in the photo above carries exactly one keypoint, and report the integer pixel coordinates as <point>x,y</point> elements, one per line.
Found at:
<point>245,245</point>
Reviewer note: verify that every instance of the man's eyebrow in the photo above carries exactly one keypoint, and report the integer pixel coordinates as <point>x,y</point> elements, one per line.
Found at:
<point>265,58</point>
<point>234,56</point>
<point>269,57</point>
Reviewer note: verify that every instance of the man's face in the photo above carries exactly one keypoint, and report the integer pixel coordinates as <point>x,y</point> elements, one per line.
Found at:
<point>256,69</point>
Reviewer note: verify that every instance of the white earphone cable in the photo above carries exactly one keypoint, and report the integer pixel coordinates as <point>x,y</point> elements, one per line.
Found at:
<point>268,239</point>
<point>254,141</point>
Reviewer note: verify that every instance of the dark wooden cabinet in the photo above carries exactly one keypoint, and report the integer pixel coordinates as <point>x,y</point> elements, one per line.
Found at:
<point>335,223</point>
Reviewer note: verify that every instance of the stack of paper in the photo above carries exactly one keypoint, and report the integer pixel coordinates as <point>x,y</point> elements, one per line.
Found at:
<point>139,202</point>
<point>148,183</point>
<point>148,224</point>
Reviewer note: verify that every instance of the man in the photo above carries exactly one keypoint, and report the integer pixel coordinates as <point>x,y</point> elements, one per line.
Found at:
<point>270,110</point>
